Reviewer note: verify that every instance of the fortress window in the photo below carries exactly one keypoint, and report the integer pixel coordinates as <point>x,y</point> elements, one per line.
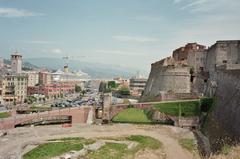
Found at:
<point>192,78</point>
<point>224,61</point>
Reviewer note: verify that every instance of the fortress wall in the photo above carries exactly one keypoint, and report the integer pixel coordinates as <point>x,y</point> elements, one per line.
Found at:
<point>221,53</point>
<point>168,79</point>
<point>224,122</point>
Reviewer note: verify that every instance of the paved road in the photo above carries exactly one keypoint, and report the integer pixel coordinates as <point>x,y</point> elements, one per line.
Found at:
<point>19,139</point>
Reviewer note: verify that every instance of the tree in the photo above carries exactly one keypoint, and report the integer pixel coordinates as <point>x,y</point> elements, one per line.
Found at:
<point>124,91</point>
<point>112,84</point>
<point>78,88</point>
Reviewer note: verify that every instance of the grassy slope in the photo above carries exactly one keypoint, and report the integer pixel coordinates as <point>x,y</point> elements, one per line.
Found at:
<point>132,115</point>
<point>109,151</point>
<point>59,147</point>
<point>4,115</point>
<point>189,108</point>
<point>120,151</point>
<point>188,144</point>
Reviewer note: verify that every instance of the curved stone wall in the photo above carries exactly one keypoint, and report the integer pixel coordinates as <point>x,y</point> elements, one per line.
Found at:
<point>168,79</point>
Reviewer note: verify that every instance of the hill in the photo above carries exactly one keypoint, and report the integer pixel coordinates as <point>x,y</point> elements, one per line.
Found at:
<point>95,70</point>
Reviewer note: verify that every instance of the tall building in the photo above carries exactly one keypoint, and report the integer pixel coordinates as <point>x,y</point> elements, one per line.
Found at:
<point>16,62</point>
<point>45,78</point>
<point>1,63</point>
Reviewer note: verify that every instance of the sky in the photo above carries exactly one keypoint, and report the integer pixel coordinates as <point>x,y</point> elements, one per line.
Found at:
<point>130,33</point>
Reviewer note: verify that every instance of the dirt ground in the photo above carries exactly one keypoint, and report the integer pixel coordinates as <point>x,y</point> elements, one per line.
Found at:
<point>21,140</point>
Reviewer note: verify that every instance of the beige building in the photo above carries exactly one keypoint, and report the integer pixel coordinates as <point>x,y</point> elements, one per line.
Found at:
<point>33,78</point>
<point>137,86</point>
<point>13,87</point>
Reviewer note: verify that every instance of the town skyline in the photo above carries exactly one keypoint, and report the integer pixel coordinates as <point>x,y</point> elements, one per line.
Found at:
<point>110,32</point>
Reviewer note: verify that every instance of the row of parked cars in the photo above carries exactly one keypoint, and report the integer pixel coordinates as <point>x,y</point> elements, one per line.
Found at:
<point>74,103</point>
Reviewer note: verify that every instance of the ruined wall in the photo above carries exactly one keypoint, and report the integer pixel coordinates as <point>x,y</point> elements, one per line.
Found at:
<point>197,60</point>
<point>182,53</point>
<point>167,79</point>
<point>223,125</point>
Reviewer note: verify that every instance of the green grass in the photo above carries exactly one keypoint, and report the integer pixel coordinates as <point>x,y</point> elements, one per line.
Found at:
<point>120,151</point>
<point>57,147</point>
<point>225,149</point>
<point>109,151</point>
<point>145,142</point>
<point>5,115</point>
<point>189,108</point>
<point>188,144</point>
<point>132,115</point>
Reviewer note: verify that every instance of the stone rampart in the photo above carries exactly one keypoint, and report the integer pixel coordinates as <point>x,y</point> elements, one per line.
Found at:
<point>224,124</point>
<point>168,79</point>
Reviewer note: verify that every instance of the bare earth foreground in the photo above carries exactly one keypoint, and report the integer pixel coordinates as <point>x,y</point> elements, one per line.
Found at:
<point>18,140</point>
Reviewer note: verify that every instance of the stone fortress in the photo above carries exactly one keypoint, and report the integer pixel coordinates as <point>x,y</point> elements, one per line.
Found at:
<point>195,71</point>
<point>191,71</point>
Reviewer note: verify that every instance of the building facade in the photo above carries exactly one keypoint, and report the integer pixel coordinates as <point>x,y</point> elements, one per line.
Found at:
<point>54,90</point>
<point>137,85</point>
<point>45,78</point>
<point>33,78</point>
<point>13,87</point>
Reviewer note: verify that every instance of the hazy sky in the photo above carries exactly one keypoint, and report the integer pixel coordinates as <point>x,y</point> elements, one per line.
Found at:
<point>132,33</point>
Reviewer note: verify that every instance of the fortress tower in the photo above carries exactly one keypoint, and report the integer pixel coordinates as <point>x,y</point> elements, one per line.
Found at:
<point>16,62</point>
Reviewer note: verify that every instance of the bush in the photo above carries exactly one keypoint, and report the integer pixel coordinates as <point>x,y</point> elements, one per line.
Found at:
<point>124,91</point>
<point>206,104</point>
<point>78,89</point>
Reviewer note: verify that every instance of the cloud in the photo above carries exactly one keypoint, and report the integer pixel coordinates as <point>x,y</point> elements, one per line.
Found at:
<point>57,51</point>
<point>116,52</point>
<point>40,42</point>
<point>177,1</point>
<point>148,18</point>
<point>17,13</point>
<point>196,3</point>
<point>135,39</point>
